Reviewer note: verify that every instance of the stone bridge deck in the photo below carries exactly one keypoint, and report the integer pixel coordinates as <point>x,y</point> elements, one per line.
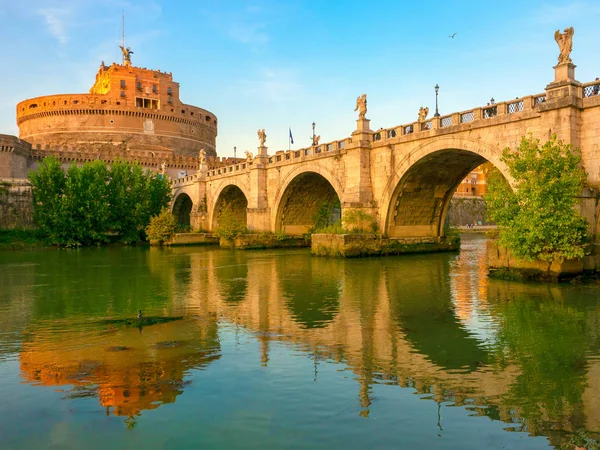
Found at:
<point>403,176</point>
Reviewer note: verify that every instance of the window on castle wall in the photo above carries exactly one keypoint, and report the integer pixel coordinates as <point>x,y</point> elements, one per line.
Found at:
<point>208,118</point>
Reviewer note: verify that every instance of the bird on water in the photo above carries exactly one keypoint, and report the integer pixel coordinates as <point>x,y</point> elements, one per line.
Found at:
<point>140,315</point>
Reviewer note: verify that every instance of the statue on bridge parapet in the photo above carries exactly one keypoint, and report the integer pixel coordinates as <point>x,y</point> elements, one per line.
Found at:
<point>202,157</point>
<point>249,156</point>
<point>262,137</point>
<point>565,44</point>
<point>361,106</point>
<point>423,112</point>
<point>315,140</point>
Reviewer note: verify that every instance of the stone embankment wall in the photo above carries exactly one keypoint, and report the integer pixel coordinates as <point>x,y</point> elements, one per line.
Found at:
<point>16,206</point>
<point>467,210</point>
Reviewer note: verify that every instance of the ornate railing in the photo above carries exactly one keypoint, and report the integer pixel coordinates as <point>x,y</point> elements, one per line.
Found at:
<point>426,126</point>
<point>515,107</point>
<point>539,99</point>
<point>408,129</point>
<point>445,121</point>
<point>591,89</point>
<point>491,111</point>
<point>467,117</point>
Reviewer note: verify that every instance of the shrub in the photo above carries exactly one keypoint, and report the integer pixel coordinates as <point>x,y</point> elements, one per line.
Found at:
<point>538,220</point>
<point>161,227</point>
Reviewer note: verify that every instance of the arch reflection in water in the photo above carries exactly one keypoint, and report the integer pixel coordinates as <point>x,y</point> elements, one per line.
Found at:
<point>526,354</point>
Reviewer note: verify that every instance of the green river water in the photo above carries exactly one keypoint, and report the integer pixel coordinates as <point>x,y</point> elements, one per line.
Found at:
<point>278,349</point>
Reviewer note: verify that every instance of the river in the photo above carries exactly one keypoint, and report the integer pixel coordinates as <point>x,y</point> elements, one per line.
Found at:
<point>278,349</point>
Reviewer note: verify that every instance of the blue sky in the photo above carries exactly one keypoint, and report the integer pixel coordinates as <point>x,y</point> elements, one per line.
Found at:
<point>274,65</point>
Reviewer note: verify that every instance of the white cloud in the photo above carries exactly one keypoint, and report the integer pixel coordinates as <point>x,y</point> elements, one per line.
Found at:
<point>56,21</point>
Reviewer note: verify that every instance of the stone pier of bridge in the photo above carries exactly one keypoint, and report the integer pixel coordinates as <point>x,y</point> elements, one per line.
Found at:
<point>403,176</point>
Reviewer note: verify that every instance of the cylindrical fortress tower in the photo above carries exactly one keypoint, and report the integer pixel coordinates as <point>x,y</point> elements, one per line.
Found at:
<point>128,109</point>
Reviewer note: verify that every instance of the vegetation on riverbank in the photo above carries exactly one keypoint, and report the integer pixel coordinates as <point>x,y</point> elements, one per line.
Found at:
<point>18,239</point>
<point>94,203</point>
<point>536,217</point>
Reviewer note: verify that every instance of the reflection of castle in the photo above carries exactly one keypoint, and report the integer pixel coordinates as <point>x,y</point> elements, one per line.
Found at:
<point>149,372</point>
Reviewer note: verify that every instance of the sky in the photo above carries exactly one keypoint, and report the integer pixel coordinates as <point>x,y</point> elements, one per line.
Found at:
<point>286,64</point>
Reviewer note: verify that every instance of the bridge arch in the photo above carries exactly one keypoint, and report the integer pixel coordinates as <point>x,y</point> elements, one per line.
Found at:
<point>231,204</point>
<point>182,209</point>
<point>418,193</point>
<point>301,193</point>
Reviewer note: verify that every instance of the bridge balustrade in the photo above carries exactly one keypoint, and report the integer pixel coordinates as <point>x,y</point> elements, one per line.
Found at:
<point>492,111</point>
<point>515,107</point>
<point>591,89</point>
<point>467,117</point>
<point>426,126</point>
<point>539,99</point>
<point>445,121</point>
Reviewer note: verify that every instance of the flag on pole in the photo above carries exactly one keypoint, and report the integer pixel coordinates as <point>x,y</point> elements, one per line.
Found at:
<point>291,137</point>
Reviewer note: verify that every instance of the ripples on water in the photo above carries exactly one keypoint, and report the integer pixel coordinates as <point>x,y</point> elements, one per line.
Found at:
<point>279,349</point>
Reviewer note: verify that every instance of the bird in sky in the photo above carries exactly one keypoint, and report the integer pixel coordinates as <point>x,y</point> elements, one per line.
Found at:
<point>452,36</point>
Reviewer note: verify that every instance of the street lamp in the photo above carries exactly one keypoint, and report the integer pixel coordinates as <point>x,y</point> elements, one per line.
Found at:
<point>234,151</point>
<point>313,136</point>
<point>437,114</point>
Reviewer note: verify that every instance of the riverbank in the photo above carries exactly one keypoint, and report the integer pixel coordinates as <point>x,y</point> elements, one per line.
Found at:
<point>21,239</point>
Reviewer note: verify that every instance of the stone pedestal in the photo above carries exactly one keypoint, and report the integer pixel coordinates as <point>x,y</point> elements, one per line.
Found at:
<point>262,151</point>
<point>564,84</point>
<point>363,131</point>
<point>564,72</point>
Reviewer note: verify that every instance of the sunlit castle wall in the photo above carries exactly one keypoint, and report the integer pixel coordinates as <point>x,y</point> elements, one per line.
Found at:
<point>128,109</point>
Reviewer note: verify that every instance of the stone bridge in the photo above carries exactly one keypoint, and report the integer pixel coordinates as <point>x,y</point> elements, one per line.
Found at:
<point>404,176</point>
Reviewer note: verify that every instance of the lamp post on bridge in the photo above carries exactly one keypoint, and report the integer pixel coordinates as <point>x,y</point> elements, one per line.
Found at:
<point>313,136</point>
<point>437,88</point>
<point>234,152</point>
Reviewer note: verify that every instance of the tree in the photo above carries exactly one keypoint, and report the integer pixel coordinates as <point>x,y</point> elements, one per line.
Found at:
<point>537,218</point>
<point>93,203</point>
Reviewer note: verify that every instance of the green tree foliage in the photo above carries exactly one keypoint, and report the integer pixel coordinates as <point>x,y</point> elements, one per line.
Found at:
<point>91,203</point>
<point>161,227</point>
<point>538,220</point>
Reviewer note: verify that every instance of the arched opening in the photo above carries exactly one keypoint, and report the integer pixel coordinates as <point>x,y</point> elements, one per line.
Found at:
<point>230,209</point>
<point>182,207</point>
<point>421,199</point>
<point>309,202</point>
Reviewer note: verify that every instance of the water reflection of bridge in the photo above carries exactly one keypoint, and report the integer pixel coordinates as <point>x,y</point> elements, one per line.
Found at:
<point>452,339</point>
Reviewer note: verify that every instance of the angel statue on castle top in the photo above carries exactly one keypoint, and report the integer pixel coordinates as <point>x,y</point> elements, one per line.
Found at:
<point>127,52</point>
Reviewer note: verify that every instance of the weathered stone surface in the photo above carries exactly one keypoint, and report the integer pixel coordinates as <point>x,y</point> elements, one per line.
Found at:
<point>193,239</point>
<point>501,261</point>
<point>16,206</point>
<point>265,240</point>
<point>353,245</point>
